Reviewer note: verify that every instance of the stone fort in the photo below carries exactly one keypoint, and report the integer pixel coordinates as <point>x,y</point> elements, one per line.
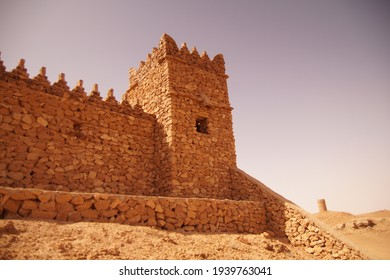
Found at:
<point>164,156</point>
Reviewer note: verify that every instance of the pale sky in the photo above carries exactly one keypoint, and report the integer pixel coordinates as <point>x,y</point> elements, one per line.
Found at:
<point>309,80</point>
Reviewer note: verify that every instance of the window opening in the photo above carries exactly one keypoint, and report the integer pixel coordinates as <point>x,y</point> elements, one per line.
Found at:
<point>202,125</point>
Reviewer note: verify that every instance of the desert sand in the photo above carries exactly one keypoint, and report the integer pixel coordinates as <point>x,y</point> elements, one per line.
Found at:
<point>28,239</point>
<point>370,232</point>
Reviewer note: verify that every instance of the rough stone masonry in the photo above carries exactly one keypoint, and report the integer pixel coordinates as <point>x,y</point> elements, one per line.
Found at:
<point>164,156</point>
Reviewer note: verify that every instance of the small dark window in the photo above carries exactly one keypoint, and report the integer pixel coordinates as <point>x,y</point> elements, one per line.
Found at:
<point>77,130</point>
<point>201,125</point>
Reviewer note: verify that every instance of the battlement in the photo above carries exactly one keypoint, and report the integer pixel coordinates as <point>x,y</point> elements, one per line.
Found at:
<point>169,50</point>
<point>60,88</point>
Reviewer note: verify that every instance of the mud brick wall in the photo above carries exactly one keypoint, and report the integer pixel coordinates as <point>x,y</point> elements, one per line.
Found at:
<point>189,215</point>
<point>57,139</point>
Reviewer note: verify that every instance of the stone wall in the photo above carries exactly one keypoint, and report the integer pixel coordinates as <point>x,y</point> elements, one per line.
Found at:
<point>148,88</point>
<point>61,139</point>
<point>182,214</point>
<point>183,88</point>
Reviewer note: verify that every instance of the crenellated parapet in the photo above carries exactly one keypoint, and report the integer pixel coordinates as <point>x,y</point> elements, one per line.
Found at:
<point>41,80</point>
<point>169,50</point>
<point>79,88</point>
<point>19,77</point>
<point>20,71</point>
<point>61,86</point>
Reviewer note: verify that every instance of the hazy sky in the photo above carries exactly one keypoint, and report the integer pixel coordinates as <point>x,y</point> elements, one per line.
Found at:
<point>309,80</point>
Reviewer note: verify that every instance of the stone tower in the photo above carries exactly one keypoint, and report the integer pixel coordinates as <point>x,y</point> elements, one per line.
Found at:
<point>187,93</point>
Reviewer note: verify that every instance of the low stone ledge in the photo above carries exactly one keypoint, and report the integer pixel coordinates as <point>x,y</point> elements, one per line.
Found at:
<point>182,214</point>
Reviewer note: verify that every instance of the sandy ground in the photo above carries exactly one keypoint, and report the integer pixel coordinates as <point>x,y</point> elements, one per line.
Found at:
<point>26,239</point>
<point>373,239</point>
<point>21,239</point>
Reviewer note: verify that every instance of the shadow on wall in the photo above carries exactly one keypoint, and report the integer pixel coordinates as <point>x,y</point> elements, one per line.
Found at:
<point>162,163</point>
<point>245,187</point>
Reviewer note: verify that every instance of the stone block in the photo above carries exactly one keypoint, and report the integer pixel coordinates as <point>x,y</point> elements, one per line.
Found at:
<point>45,196</point>
<point>102,204</point>
<point>62,216</point>
<point>64,207</point>
<point>92,174</point>
<point>40,214</point>
<point>131,203</point>
<point>12,205</point>
<point>163,202</point>
<point>27,119</point>
<point>123,207</point>
<point>24,212</point>
<point>115,203</point>
<point>102,196</point>
<point>108,213</point>
<point>213,228</point>
<point>191,214</point>
<point>203,219</point>
<point>42,121</point>
<point>179,223</point>
<point>151,222</point>
<point>74,216</point>
<point>86,205</point>
<point>171,220</point>
<point>131,213</point>
<point>77,200</point>
<point>30,205</point>
<point>4,191</point>
<point>161,223</point>
<point>213,220</point>
<point>180,211</point>
<point>169,226</point>
<point>23,195</point>
<point>90,214</point>
<point>120,219</point>
<point>151,203</point>
<point>77,176</point>
<point>16,175</point>
<point>48,206</point>
<point>189,228</point>
<point>63,197</point>
<point>33,156</point>
<point>134,219</point>
<point>169,213</point>
<point>159,209</point>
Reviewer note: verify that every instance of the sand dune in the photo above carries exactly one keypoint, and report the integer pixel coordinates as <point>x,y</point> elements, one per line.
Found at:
<point>370,231</point>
